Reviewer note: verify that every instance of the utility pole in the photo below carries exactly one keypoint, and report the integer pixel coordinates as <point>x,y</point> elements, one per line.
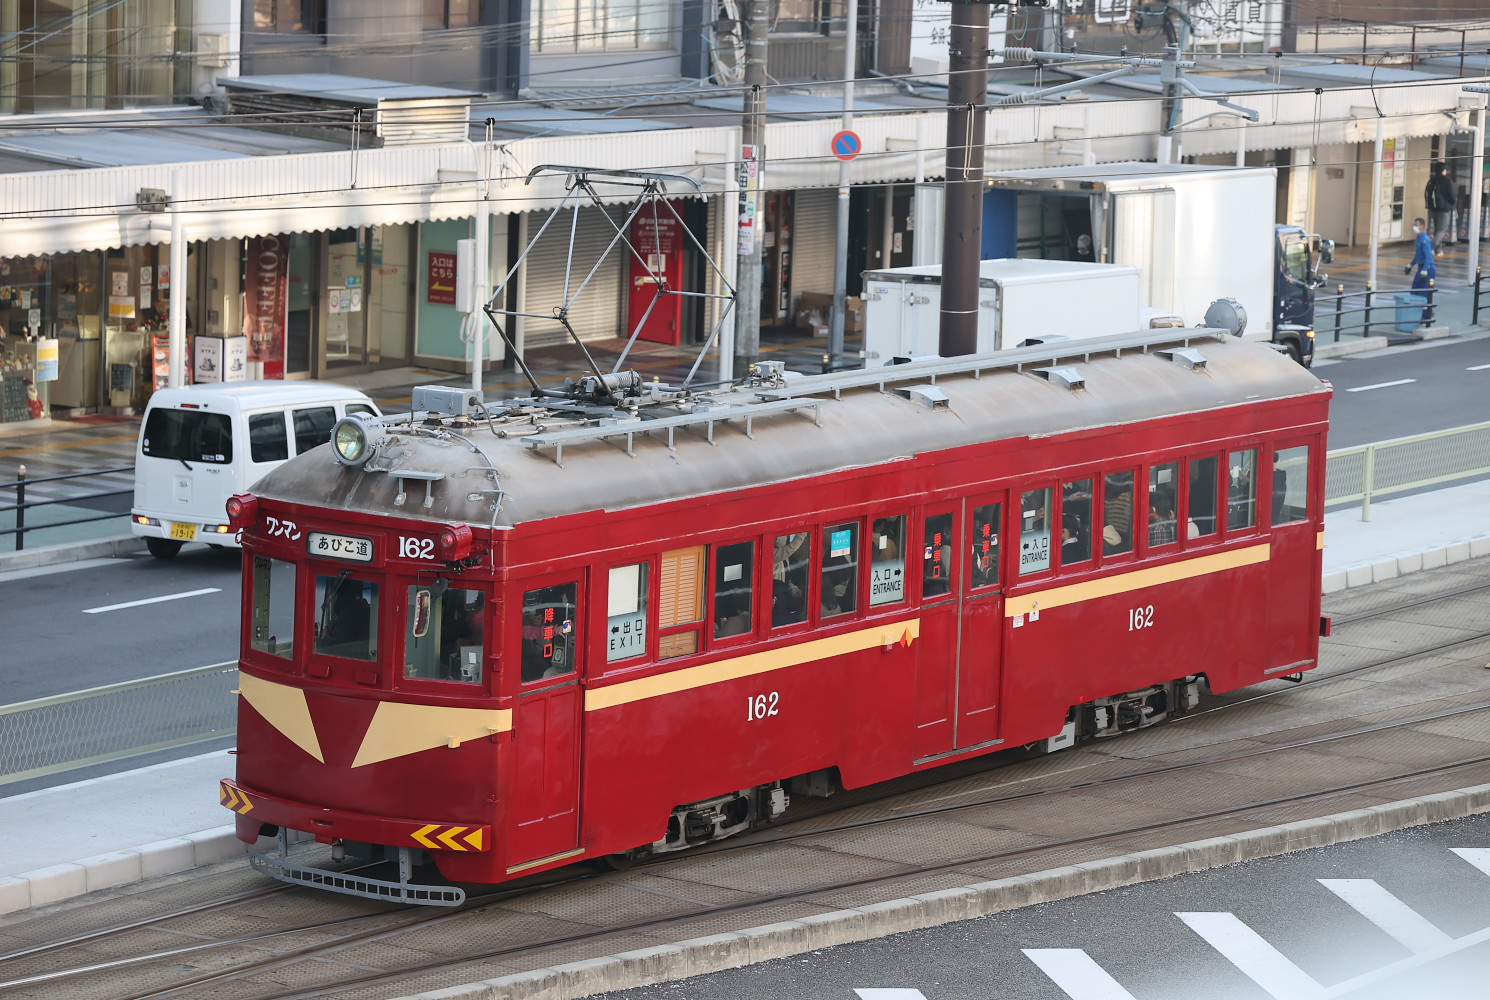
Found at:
<point>962,235</point>
<point>1170,75</point>
<point>840,255</point>
<point>752,163</point>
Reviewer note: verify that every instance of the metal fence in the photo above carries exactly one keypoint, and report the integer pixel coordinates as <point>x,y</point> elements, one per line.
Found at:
<point>22,505</point>
<point>1374,312</point>
<point>1407,463</point>
<point>117,721</point>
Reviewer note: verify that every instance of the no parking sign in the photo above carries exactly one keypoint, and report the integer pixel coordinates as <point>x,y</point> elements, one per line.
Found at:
<point>846,145</point>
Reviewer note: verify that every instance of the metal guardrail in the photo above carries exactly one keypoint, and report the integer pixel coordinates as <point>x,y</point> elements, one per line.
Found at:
<point>1406,463</point>
<point>1371,311</point>
<point>21,504</point>
<point>117,721</point>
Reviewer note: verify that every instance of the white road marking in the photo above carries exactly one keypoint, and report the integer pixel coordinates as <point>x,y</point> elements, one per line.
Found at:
<point>893,994</point>
<point>1381,385</point>
<point>1405,925</point>
<point>1074,971</point>
<point>1477,368</point>
<point>152,600</point>
<point>1259,961</point>
<point>1477,856</point>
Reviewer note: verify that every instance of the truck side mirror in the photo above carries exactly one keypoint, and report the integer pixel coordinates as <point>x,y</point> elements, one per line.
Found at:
<point>1327,251</point>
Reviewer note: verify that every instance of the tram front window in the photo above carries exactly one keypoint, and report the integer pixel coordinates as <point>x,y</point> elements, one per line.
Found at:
<point>346,617</point>
<point>444,634</point>
<point>274,606</point>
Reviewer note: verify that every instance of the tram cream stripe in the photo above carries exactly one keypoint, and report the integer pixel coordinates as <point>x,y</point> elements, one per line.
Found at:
<point>1142,579</point>
<point>752,664</point>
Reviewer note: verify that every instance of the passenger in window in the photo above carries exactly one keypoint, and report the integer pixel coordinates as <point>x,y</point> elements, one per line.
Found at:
<point>734,616</point>
<point>786,604</point>
<point>347,634</point>
<point>1161,518</point>
<point>1117,514</point>
<point>838,579</point>
<point>1076,540</point>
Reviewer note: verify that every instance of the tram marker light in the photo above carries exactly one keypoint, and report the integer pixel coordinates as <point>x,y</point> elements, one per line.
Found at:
<point>355,437</point>
<point>455,542</point>
<point>243,510</point>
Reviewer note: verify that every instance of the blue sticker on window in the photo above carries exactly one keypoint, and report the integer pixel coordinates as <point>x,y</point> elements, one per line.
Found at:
<point>841,542</point>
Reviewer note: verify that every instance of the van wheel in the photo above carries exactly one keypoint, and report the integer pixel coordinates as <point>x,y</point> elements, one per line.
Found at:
<point>163,548</point>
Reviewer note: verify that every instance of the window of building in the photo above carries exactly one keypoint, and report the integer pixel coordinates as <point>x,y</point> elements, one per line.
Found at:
<point>1164,504</point>
<point>266,437</point>
<point>1117,513</point>
<point>734,571</point>
<point>1076,522</point>
<point>936,575</point>
<point>290,16</point>
<point>451,14</point>
<point>626,614</point>
<point>189,436</point>
<point>347,617</point>
<point>1241,494</point>
<point>840,569</point>
<point>599,25</point>
<point>550,632</point>
<point>680,602</point>
<point>803,15</point>
<point>789,577</point>
<point>1034,531</point>
<point>1291,484</point>
<point>986,545</point>
<point>1203,473</point>
<point>887,561</point>
<point>273,606</point>
<point>313,427</point>
<point>445,634</point>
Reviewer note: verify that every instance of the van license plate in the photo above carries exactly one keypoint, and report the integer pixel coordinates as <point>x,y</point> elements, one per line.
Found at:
<point>185,532</point>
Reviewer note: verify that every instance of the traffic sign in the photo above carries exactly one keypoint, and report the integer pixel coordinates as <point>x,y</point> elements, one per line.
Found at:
<point>847,145</point>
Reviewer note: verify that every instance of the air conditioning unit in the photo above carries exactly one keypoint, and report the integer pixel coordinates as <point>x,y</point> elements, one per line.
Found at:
<point>212,51</point>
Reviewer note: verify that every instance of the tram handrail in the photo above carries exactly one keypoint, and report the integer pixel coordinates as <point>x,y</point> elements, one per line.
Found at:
<point>1402,464</point>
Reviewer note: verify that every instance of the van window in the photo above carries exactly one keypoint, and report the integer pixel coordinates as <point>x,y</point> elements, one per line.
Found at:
<point>360,408</point>
<point>313,427</point>
<point>188,436</point>
<point>347,617</point>
<point>266,437</point>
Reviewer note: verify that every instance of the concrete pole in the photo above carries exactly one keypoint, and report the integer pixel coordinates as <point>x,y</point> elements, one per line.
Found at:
<point>840,253</point>
<point>753,157</point>
<point>176,330</point>
<point>962,232</point>
<point>481,288</point>
<point>1476,190</point>
<point>1376,196</point>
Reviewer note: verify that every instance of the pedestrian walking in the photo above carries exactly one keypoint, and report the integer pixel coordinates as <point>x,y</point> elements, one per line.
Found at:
<point>1440,196</point>
<point>1422,259</point>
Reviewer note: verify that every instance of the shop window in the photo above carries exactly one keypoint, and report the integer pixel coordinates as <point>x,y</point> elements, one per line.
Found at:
<point>1164,504</point>
<point>266,437</point>
<point>451,14</point>
<point>680,601</point>
<point>887,561</point>
<point>313,427</point>
<point>1034,531</point>
<point>840,569</point>
<point>1117,513</point>
<point>273,607</point>
<point>188,436</point>
<point>599,25</point>
<point>789,577</point>
<point>549,632</point>
<point>445,633</point>
<point>626,614</point>
<point>986,545</point>
<point>1202,510</point>
<point>937,569</point>
<point>347,617</point>
<point>1291,485</point>
<point>734,569</point>
<point>1241,493</point>
<point>290,16</point>
<point>1076,522</point>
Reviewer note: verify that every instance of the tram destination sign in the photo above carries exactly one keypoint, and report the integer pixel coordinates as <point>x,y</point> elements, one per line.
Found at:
<point>322,543</point>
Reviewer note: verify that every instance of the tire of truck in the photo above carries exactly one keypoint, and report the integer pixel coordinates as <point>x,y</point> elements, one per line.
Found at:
<point>1294,351</point>
<point>163,548</point>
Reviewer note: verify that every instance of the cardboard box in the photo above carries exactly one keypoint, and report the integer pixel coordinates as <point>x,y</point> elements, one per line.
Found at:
<point>815,309</point>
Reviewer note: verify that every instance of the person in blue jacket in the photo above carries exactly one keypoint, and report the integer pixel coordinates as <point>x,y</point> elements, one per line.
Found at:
<point>1422,259</point>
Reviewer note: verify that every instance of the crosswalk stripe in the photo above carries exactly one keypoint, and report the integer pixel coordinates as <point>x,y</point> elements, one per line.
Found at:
<point>1396,918</point>
<point>1477,856</point>
<point>890,994</point>
<point>1259,961</point>
<point>1076,973</point>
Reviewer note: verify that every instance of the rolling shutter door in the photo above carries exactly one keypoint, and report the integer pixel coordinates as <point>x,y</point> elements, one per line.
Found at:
<point>814,231</point>
<point>599,312</point>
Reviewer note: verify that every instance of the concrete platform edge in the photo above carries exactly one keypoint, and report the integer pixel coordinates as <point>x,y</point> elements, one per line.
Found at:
<point>66,552</point>
<point>1404,563</point>
<point>697,956</point>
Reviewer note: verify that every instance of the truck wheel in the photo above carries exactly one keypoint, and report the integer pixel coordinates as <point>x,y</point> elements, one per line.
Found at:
<point>162,548</point>
<point>1293,351</point>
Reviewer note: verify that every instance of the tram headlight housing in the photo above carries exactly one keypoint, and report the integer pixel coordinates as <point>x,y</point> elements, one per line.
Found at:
<point>242,510</point>
<point>356,437</point>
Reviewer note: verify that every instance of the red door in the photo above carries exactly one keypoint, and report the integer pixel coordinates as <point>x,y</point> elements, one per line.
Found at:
<point>543,806</point>
<point>980,647</point>
<point>936,660</point>
<point>656,269</point>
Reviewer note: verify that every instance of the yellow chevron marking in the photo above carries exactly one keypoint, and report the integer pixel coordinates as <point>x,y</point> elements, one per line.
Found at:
<point>235,799</point>
<point>474,838</point>
<point>445,838</point>
<point>398,729</point>
<point>419,836</point>
<point>284,708</point>
<point>1139,579</point>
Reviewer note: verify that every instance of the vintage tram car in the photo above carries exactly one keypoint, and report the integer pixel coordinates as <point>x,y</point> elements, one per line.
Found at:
<point>620,618</point>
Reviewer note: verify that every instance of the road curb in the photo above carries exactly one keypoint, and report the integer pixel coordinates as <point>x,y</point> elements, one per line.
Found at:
<point>1355,345</point>
<point>1404,563</point>
<point>66,552</point>
<point>697,956</point>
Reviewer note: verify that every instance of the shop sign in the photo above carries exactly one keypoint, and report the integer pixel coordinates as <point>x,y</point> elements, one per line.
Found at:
<point>46,360</point>
<point>267,299</point>
<point>441,278</point>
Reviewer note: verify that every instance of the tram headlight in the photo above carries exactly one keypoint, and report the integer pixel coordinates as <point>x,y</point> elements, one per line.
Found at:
<point>355,437</point>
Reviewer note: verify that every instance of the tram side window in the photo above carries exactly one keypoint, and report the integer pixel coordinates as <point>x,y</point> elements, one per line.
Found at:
<point>937,573</point>
<point>1034,531</point>
<point>266,437</point>
<point>1164,481</point>
<point>840,569</point>
<point>549,632</point>
<point>734,570</point>
<point>1241,494</point>
<point>986,545</point>
<point>1291,484</point>
<point>313,427</point>
<point>347,617</point>
<point>680,601</point>
<point>445,633</point>
<point>1117,513</point>
<point>626,616</point>
<point>887,561</point>
<point>789,577</point>
<point>1203,472</point>
<point>274,606</point>
<point>1076,522</point>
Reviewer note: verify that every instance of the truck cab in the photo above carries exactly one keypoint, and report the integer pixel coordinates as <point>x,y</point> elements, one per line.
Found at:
<point>1298,256</point>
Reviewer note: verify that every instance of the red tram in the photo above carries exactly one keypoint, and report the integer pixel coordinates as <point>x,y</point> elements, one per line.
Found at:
<point>623,618</point>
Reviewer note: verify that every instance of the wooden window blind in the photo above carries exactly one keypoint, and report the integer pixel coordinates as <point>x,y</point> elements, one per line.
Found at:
<point>681,597</point>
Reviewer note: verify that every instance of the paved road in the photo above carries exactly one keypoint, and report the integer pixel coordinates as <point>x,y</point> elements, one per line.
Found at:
<point>1404,916</point>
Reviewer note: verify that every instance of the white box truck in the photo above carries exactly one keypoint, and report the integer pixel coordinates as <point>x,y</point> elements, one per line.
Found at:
<point>1017,300</point>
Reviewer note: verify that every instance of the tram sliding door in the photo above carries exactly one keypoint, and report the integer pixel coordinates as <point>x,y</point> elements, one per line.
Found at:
<point>544,775</point>
<point>936,662</point>
<point>980,647</point>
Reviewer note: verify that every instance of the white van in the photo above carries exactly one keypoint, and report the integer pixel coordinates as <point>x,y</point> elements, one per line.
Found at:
<point>201,444</point>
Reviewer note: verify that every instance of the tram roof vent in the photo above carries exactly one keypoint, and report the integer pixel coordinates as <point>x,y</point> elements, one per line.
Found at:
<point>446,400</point>
<point>928,396</point>
<point>1061,375</point>
<point>1187,356</point>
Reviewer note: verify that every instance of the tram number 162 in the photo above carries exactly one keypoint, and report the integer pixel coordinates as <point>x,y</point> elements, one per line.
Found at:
<point>761,705</point>
<point>1140,618</point>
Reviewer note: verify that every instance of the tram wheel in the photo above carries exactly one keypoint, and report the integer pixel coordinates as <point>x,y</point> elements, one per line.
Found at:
<point>163,548</point>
